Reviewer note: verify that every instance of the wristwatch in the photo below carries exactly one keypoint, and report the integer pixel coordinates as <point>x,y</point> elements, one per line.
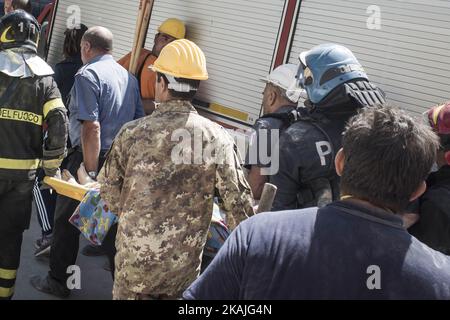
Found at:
<point>92,175</point>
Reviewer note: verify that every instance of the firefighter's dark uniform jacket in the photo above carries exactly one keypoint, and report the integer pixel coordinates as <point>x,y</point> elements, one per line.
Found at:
<point>28,106</point>
<point>33,127</point>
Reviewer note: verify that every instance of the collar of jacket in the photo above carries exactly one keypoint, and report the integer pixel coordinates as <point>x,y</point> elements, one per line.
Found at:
<point>19,63</point>
<point>175,106</point>
<point>101,57</point>
<point>285,109</point>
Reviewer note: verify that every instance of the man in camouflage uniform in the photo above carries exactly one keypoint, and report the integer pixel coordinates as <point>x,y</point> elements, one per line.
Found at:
<point>163,193</point>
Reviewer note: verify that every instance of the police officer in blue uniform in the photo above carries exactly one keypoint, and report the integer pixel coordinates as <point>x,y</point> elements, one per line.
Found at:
<point>33,127</point>
<point>337,87</point>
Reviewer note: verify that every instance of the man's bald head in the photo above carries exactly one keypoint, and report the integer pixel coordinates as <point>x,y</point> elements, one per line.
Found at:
<point>99,38</point>
<point>96,41</point>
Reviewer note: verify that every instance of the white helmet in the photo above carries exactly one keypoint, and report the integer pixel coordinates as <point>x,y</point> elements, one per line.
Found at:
<point>283,77</point>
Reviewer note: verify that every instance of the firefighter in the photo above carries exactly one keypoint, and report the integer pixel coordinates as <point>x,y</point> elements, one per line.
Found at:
<point>30,104</point>
<point>337,87</point>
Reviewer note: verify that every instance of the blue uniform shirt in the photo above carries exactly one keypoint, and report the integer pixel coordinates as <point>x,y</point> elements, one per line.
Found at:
<point>342,251</point>
<point>105,92</point>
<point>306,154</point>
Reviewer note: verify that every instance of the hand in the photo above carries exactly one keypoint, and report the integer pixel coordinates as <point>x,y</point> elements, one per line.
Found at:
<point>68,177</point>
<point>83,176</point>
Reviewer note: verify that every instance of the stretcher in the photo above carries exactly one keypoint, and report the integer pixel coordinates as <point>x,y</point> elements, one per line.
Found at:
<point>76,192</point>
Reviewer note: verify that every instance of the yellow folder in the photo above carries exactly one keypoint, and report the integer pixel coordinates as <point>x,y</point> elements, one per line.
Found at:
<point>76,192</point>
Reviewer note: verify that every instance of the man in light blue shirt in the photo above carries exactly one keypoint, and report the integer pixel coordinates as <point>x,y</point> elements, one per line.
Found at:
<point>106,93</point>
<point>104,97</point>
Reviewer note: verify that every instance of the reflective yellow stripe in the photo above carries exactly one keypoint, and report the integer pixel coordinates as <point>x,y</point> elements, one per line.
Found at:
<point>8,274</point>
<point>4,37</point>
<point>6,292</point>
<point>16,164</point>
<point>229,112</point>
<point>52,104</point>
<point>52,164</point>
<point>20,115</point>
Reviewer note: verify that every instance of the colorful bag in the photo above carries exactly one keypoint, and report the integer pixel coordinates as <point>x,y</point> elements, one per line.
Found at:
<point>217,234</point>
<point>93,218</point>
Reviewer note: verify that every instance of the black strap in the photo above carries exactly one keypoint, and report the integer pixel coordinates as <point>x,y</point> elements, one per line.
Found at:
<point>289,118</point>
<point>284,117</point>
<point>141,67</point>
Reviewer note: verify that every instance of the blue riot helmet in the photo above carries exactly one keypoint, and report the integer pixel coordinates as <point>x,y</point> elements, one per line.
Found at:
<point>325,67</point>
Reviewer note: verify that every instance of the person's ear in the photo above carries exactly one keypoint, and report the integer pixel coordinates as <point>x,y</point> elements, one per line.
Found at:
<point>87,46</point>
<point>162,87</point>
<point>272,97</point>
<point>419,191</point>
<point>159,83</point>
<point>339,162</point>
<point>164,84</point>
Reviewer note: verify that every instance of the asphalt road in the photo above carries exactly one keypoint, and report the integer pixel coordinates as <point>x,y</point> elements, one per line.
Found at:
<point>96,283</point>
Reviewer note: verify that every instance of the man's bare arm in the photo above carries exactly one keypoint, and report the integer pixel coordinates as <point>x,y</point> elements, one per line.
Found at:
<point>256,181</point>
<point>90,140</point>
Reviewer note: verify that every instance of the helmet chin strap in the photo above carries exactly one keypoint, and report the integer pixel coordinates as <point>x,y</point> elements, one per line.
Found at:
<point>297,89</point>
<point>177,86</point>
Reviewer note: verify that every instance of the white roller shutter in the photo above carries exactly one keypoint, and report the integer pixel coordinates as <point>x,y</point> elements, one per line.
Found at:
<point>238,38</point>
<point>409,56</point>
<point>117,15</point>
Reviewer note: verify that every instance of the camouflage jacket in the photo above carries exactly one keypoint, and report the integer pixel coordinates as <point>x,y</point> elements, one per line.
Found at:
<point>163,193</point>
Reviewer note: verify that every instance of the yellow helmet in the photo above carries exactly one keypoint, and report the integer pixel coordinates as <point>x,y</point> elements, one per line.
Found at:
<point>174,28</point>
<point>182,59</point>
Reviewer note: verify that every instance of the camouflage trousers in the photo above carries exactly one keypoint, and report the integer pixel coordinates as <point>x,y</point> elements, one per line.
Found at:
<point>123,293</point>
